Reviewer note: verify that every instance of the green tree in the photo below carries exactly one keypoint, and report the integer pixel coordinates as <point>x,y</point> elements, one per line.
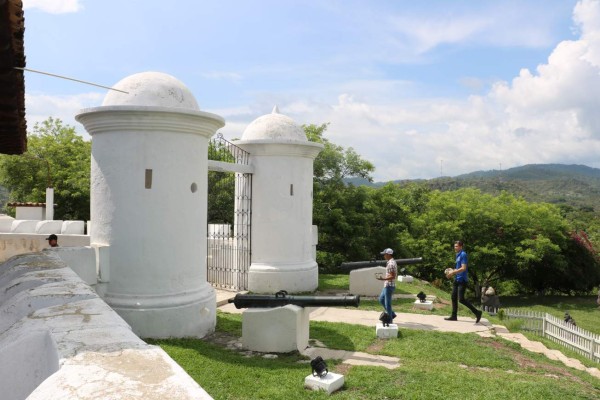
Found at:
<point>334,163</point>
<point>221,185</point>
<point>507,238</point>
<point>56,156</point>
<point>583,272</point>
<point>339,210</point>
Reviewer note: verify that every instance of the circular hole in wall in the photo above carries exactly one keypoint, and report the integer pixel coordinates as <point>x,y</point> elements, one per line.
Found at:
<point>194,187</point>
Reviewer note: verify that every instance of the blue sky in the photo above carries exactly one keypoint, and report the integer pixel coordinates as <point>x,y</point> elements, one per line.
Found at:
<point>419,88</point>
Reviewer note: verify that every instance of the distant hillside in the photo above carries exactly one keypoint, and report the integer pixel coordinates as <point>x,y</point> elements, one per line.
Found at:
<point>539,172</point>
<point>577,186</point>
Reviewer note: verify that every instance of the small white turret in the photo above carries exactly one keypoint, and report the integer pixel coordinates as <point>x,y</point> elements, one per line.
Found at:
<point>282,256</point>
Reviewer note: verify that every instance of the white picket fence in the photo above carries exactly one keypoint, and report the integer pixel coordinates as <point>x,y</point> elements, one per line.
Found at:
<point>575,338</point>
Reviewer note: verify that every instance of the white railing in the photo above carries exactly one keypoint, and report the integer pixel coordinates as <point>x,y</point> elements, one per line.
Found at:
<point>575,338</point>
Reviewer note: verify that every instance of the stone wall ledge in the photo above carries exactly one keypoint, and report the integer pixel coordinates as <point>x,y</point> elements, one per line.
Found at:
<point>59,340</point>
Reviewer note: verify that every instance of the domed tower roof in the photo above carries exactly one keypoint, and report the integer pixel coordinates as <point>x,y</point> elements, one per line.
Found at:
<point>151,89</point>
<point>274,126</point>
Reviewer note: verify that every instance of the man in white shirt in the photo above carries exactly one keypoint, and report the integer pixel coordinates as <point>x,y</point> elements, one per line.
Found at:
<point>389,284</point>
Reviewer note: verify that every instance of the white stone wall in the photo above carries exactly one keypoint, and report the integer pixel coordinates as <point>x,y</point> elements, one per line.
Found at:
<point>12,244</point>
<point>35,213</point>
<point>11,225</point>
<point>59,340</point>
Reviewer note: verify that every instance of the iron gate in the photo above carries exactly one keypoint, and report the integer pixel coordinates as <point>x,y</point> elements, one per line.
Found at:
<point>229,215</point>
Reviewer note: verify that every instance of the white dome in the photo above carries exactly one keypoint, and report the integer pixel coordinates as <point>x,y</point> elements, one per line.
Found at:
<point>274,126</point>
<point>151,89</point>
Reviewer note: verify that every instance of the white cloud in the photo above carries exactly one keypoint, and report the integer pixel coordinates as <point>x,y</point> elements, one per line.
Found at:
<point>542,116</point>
<point>38,107</point>
<point>54,6</point>
<point>427,33</point>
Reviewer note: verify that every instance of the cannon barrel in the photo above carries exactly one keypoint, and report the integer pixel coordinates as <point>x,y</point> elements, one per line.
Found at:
<point>281,298</point>
<point>350,266</point>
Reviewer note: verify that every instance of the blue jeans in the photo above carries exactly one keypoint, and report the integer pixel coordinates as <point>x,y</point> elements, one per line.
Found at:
<point>385,298</point>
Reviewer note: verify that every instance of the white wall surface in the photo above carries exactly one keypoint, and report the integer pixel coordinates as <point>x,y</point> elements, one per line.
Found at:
<point>49,226</point>
<point>82,260</point>
<point>73,228</point>
<point>36,213</point>
<point>23,226</point>
<point>12,244</point>
<point>5,223</point>
<point>59,340</point>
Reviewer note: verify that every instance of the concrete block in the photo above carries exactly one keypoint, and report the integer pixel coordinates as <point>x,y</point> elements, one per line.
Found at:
<point>219,231</point>
<point>275,330</point>
<point>6,223</point>
<point>73,227</point>
<point>23,226</point>
<point>364,283</point>
<point>36,213</point>
<point>405,279</point>
<point>386,332</point>
<point>329,383</point>
<point>47,227</point>
<point>82,260</point>
<point>426,305</point>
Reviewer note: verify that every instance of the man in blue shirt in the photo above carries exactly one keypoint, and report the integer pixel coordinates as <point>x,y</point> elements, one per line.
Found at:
<point>460,284</point>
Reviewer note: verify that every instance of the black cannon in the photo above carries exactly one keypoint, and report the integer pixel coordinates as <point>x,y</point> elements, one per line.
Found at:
<point>350,266</point>
<point>281,298</point>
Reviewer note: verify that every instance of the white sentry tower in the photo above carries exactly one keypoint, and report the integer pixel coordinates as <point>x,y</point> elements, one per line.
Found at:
<point>282,189</point>
<point>148,205</point>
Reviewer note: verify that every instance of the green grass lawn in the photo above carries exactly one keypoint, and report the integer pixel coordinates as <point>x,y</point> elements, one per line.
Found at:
<point>583,309</point>
<point>433,365</point>
<point>442,305</point>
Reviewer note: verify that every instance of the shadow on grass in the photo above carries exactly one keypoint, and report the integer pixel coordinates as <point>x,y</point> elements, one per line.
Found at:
<point>331,337</point>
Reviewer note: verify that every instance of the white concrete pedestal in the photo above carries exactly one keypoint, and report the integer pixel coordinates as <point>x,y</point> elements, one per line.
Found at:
<point>329,383</point>
<point>405,279</point>
<point>386,332</point>
<point>275,330</point>
<point>426,305</point>
<point>293,278</point>
<point>364,283</point>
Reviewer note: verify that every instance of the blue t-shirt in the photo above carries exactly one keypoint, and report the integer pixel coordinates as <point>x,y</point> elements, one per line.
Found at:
<point>461,258</point>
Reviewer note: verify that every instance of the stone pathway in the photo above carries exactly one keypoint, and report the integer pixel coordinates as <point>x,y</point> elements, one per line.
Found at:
<point>537,347</point>
<point>352,357</point>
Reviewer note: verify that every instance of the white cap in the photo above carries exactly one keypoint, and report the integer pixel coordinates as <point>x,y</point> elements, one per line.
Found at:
<point>387,251</point>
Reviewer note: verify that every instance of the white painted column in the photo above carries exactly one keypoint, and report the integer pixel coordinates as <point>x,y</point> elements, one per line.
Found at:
<point>49,204</point>
<point>149,203</point>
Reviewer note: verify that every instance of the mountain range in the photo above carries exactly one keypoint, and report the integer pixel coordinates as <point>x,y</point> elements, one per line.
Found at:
<point>577,186</point>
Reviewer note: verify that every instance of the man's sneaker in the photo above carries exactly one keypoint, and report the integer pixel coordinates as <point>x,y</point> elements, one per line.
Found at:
<point>479,314</point>
<point>451,319</point>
